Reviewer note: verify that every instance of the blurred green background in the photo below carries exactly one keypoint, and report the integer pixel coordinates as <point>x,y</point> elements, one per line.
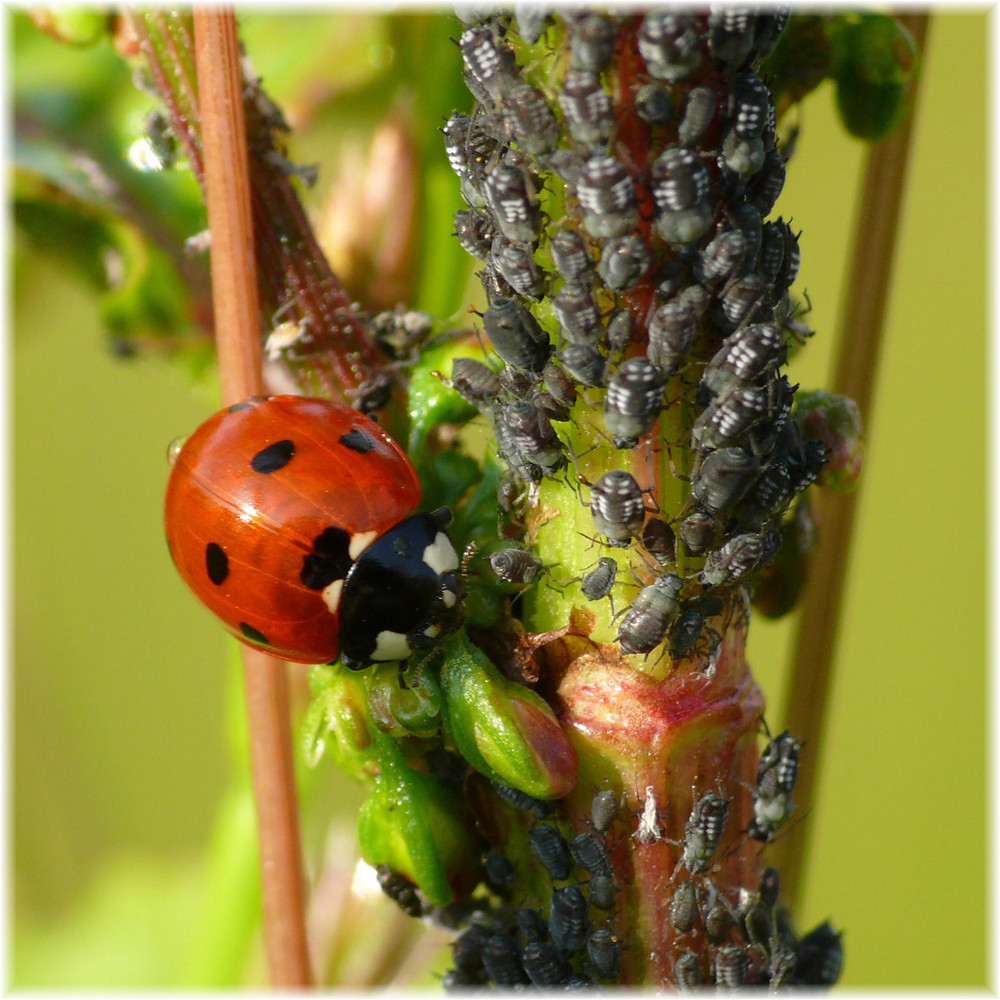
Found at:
<point>123,692</point>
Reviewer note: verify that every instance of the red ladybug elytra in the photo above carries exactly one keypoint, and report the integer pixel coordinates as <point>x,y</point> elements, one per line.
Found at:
<point>291,520</point>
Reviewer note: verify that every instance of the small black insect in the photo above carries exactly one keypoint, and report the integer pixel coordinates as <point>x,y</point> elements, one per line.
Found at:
<point>624,261</point>
<point>607,197</point>
<point>605,952</point>
<point>741,555</point>
<point>516,565</point>
<point>511,196</point>
<point>489,66</point>
<point>765,185</point>
<point>529,120</point>
<point>400,890</point>
<point>673,328</point>
<point>647,621</point>
<point>703,832</point>
<point>743,300</point>
<point>699,531</point>
<point>698,114</point>
<point>777,773</point>
<point>602,892</point>
<point>681,189</point>
<point>718,923</point>
<point>475,382</point>
<point>687,972</point>
<point>669,44</point>
<point>559,384</point>
<point>568,919</point>
<point>585,363</point>
<point>633,401</point>
<point>592,40</point>
<point>579,317</point>
<point>721,259</point>
<point>523,801</point>
<point>723,478</point>
<point>467,949</point>
<point>728,417</point>
<point>819,957</point>
<point>658,540</point>
<point>604,807</point>
<point>499,871</point>
<point>569,254</point>
<point>684,907</point>
<point>590,854</point>
<point>730,37</point>
<point>544,965</point>
<point>516,335</point>
<point>553,852</point>
<point>690,624</point>
<point>621,331</point>
<point>519,268</point>
<point>653,104</point>
<point>531,434</point>
<point>617,507</point>
<point>474,232</point>
<point>531,924</point>
<point>502,960</point>
<point>745,355</point>
<point>732,967</point>
<point>587,109</point>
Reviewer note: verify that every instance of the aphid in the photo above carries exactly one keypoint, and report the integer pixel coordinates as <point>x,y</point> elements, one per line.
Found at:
<point>772,252</point>
<point>373,393</point>
<point>698,531</point>
<point>776,776</point>
<point>647,621</point>
<point>769,888</point>
<point>607,197</point>
<point>585,363</point>
<point>502,961</point>
<point>531,924</point>
<point>550,846</point>
<point>474,233</point>
<point>804,469</point>
<point>718,923</point>
<point>673,329</point>
<point>741,555</point>
<point>592,40</point>
<point>768,28</point>
<point>633,401</point>
<point>767,183</point>
<point>681,190</point>
<point>721,259</point>
<point>568,919</point>
<point>658,540</point>
<point>653,104</point>
<point>703,832</point>
<point>400,890</point>
<point>624,261</point>
<point>456,130</point>
<point>567,165</point>
<point>770,494</point>
<point>519,269</point>
<point>522,800</point>
<point>516,565</point>
<point>791,258</point>
<point>511,197</point>
<point>617,507</point>
<point>687,972</point>
<point>490,68</point>
<point>732,967</point>
<point>532,435</point>
<point>475,382</point>
<point>605,952</point>
<point>621,331</point>
<point>729,416</point>
<point>559,384</point>
<point>698,114</point>
<point>590,854</point>
<point>730,37</point>
<point>544,965</point>
<point>602,892</point>
<point>743,300</point>
<point>745,355</point>
<point>587,109</point>
<point>499,871</point>
<point>516,335</point>
<point>604,807</point>
<point>399,331</point>
<point>690,624</point>
<point>648,830</point>
<point>529,120</point>
<point>669,44</point>
<point>579,317</point>
<point>747,111</point>
<point>684,907</point>
<point>569,254</point>
<point>531,20</point>
<point>723,478</point>
<point>467,949</point>
<point>819,957</point>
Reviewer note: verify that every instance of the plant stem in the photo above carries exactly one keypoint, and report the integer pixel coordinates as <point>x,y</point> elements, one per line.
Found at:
<point>237,324</point>
<point>876,229</point>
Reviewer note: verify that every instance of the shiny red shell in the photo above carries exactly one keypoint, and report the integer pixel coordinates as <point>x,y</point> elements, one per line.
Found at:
<point>251,491</point>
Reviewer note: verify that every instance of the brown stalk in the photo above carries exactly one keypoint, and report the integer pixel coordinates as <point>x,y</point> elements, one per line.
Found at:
<point>237,325</point>
<point>875,231</point>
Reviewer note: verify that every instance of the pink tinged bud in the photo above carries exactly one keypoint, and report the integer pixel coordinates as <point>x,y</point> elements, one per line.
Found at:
<point>836,421</point>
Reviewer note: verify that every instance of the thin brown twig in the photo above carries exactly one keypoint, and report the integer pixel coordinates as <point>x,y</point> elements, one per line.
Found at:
<point>876,229</point>
<point>237,324</point>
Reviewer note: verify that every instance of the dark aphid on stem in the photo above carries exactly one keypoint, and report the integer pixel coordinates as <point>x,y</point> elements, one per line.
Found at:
<point>602,892</point>
<point>769,888</point>
<point>633,401</point>
<point>590,854</point>
<point>658,540</point>
<point>552,850</point>
<point>544,965</point>
<point>673,329</point>
<point>499,871</point>
<point>699,531</point>
<point>669,44</point>
<point>718,923</point>
<point>502,960</point>
<point>400,890</point>
<point>698,114</point>
<point>647,621</point>
<point>768,28</point>
<point>621,331</point>
<point>529,120</point>
<point>592,40</point>
<point>490,69</point>
<point>776,776</point>
<point>687,972</point>
<point>569,254</point>
<point>605,952</point>
<point>532,435</point>
<point>744,300</point>
<point>559,384</point>
<point>522,800</point>
<point>467,949</point>
<point>531,924</point>
<point>730,35</point>
<point>690,624</point>
<point>518,268</point>
<point>743,145</point>
<point>624,262</point>
<point>728,417</point>
<point>607,197</point>
<point>587,109</point>
<point>653,104</point>
<point>765,185</point>
<point>474,233</point>
<point>511,196</point>
<point>703,832</point>
<point>604,808</point>
<point>579,317</point>
<point>617,507</point>
<point>739,556</point>
<point>745,355</point>
<point>682,195</point>
<point>732,967</point>
<point>475,382</point>
<point>819,957</point>
<point>516,565</point>
<point>721,259</point>
<point>568,919</point>
<point>585,363</point>
<point>516,335</point>
<point>684,907</point>
<point>723,478</point>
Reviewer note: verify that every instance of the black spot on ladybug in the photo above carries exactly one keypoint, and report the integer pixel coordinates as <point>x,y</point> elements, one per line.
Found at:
<point>357,441</point>
<point>253,635</point>
<point>217,563</point>
<point>329,560</point>
<point>274,457</point>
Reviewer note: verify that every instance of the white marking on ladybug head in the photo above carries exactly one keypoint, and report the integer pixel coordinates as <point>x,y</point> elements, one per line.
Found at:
<point>331,595</point>
<point>391,646</point>
<point>360,542</point>
<point>450,600</point>
<point>440,555</point>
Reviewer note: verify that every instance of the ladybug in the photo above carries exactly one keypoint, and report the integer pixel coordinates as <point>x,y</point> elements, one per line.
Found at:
<point>292,519</point>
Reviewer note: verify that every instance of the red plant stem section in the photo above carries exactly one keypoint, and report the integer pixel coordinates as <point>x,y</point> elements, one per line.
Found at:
<point>859,343</point>
<point>234,284</point>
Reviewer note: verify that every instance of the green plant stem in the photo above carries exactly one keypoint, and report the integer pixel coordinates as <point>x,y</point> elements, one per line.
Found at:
<point>804,710</point>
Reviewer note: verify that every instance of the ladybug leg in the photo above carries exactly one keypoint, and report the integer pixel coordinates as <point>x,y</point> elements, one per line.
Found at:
<point>401,674</point>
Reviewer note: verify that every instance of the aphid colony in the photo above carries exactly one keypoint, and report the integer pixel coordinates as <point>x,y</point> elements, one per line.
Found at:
<point>644,288</point>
